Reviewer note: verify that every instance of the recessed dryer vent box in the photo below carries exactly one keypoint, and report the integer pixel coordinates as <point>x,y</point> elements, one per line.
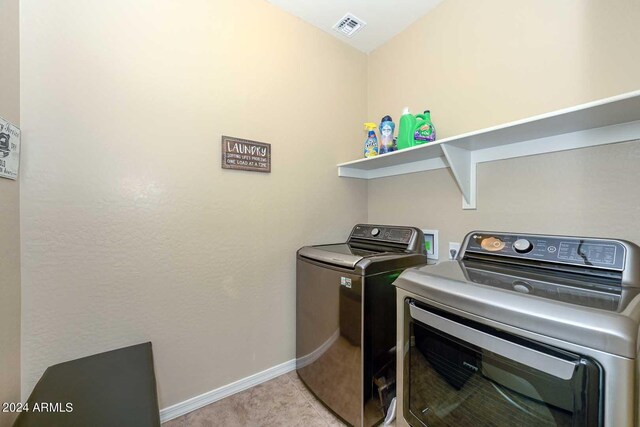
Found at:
<point>431,243</point>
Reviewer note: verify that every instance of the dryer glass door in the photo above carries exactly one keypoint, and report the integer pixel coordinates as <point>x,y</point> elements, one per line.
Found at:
<point>461,373</point>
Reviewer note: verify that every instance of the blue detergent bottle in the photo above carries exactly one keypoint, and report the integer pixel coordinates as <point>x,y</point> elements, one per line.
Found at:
<point>371,143</point>
<point>387,144</point>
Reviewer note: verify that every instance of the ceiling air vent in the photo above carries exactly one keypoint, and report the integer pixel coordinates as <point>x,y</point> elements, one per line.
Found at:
<point>349,25</point>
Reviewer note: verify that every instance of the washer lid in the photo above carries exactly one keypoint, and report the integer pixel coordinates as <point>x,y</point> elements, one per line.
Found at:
<point>343,255</point>
<point>603,293</point>
<point>448,283</point>
<point>343,258</point>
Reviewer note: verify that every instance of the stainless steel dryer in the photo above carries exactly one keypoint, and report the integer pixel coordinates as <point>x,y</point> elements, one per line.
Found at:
<point>525,330</point>
<point>346,316</point>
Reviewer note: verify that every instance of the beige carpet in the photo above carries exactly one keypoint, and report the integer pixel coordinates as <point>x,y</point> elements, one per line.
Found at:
<point>283,401</point>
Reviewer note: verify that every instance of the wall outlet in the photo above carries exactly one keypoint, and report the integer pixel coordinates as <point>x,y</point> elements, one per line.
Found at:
<point>454,248</point>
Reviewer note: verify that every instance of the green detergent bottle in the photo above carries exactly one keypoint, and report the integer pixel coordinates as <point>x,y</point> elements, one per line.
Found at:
<point>406,130</point>
<point>425,131</point>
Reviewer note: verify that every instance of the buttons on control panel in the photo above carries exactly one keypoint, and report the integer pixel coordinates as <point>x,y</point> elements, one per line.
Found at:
<point>492,244</point>
<point>522,246</point>
<point>391,234</point>
<point>599,253</point>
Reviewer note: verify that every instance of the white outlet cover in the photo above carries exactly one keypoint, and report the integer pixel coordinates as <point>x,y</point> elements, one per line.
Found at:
<point>453,246</point>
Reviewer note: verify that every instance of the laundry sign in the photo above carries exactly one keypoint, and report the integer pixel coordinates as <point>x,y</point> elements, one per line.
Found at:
<point>9,149</point>
<point>246,155</point>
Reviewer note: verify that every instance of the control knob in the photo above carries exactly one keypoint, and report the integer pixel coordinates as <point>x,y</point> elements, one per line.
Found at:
<point>375,232</point>
<point>522,246</point>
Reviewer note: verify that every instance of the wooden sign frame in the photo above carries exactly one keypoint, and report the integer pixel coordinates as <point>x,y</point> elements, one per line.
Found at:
<point>247,155</point>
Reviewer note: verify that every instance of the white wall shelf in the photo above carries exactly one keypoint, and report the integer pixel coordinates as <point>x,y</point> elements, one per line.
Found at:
<point>606,121</point>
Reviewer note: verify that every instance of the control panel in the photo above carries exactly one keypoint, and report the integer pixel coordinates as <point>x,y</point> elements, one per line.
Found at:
<point>597,253</point>
<point>382,233</point>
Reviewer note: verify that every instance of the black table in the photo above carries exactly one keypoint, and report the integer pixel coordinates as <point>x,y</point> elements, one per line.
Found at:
<point>116,388</point>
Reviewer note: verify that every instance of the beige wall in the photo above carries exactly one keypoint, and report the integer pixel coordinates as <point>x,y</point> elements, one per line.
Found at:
<point>131,230</point>
<point>481,63</point>
<point>589,192</point>
<point>478,64</point>
<point>10,216</point>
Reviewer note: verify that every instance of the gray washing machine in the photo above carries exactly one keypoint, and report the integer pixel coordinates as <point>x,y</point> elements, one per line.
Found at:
<point>346,316</point>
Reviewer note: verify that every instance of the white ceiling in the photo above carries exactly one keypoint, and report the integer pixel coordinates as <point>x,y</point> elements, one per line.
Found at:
<point>384,18</point>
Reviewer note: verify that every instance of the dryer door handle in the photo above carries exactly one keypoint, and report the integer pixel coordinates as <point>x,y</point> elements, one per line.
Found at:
<point>521,354</point>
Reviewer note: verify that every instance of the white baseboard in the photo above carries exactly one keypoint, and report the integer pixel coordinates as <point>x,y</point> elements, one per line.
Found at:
<point>209,397</point>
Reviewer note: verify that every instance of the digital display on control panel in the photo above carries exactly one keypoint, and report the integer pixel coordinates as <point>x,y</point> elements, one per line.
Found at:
<point>398,235</point>
<point>392,234</point>
<point>585,252</point>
